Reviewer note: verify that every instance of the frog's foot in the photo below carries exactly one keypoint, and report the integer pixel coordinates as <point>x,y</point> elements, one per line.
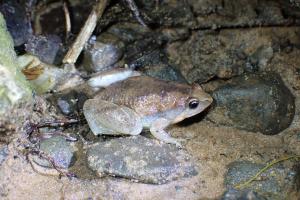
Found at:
<point>157,130</point>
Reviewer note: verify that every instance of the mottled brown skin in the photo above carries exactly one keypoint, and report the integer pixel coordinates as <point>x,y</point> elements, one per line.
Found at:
<point>158,97</point>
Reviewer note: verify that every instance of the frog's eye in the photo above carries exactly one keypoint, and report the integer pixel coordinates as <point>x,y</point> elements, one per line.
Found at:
<point>193,103</point>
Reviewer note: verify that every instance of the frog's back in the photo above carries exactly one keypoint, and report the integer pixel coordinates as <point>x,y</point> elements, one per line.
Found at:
<point>147,95</point>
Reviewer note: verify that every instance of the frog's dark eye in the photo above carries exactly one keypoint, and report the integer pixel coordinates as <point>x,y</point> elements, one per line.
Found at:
<point>193,103</point>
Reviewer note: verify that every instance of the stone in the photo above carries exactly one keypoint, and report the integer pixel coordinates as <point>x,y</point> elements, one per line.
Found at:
<point>69,102</point>
<point>3,153</point>
<point>164,72</point>
<point>254,102</point>
<point>233,194</point>
<point>141,159</point>
<point>47,48</point>
<point>18,23</point>
<point>101,54</point>
<point>57,148</point>
<point>278,182</point>
<point>210,54</point>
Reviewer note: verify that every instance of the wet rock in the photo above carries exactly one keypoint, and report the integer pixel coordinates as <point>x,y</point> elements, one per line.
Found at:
<point>233,194</point>
<point>164,72</point>
<point>254,102</point>
<point>278,182</point>
<point>69,102</point>
<point>143,52</point>
<point>128,32</point>
<point>145,55</point>
<point>140,159</point>
<point>175,34</point>
<point>18,24</point>
<point>3,153</point>
<point>260,58</point>
<point>228,53</point>
<point>101,54</point>
<point>57,148</point>
<point>220,14</point>
<point>47,48</point>
<point>204,57</point>
<point>13,85</point>
<point>166,13</point>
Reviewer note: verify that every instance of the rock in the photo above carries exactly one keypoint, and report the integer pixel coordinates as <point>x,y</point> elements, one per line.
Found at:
<point>145,55</point>
<point>204,57</point>
<point>47,48</point>
<point>144,52</point>
<point>140,159</point>
<point>100,55</point>
<point>233,194</point>
<point>14,88</point>
<point>18,23</point>
<point>164,72</point>
<point>167,13</point>
<point>278,182</point>
<point>128,32</point>
<point>58,149</point>
<point>209,54</point>
<point>69,102</point>
<point>254,102</point>
<point>240,14</point>
<point>3,153</point>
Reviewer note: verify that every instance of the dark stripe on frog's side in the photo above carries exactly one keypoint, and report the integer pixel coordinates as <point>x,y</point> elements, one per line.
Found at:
<point>147,95</point>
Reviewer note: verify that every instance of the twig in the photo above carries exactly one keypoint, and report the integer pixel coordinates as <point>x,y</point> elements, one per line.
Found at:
<point>245,184</point>
<point>85,32</point>
<point>136,12</point>
<point>67,19</point>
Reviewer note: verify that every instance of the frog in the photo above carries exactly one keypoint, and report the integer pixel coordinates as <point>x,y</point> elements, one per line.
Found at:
<point>140,102</point>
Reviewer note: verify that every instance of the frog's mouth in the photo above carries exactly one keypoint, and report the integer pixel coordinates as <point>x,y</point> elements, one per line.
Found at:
<point>191,111</point>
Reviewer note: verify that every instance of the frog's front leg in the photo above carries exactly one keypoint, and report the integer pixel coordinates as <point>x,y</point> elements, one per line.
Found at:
<point>106,118</point>
<point>157,130</point>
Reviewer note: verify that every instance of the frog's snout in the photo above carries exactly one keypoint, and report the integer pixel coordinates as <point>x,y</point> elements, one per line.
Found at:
<point>206,99</point>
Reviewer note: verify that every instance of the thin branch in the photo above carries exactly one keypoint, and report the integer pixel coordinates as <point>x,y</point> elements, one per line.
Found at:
<point>85,32</point>
<point>67,19</point>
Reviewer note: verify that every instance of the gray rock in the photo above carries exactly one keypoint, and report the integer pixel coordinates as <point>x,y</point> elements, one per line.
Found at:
<point>47,48</point>
<point>278,182</point>
<point>233,194</point>
<point>164,72</point>
<point>140,159</point>
<point>58,149</point>
<point>222,14</point>
<point>69,102</point>
<point>204,56</point>
<point>18,23</point>
<point>3,153</point>
<point>101,54</point>
<point>254,102</point>
<point>145,55</point>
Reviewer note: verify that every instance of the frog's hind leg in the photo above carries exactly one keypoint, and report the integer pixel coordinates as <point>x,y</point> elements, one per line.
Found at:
<point>157,130</point>
<point>106,118</point>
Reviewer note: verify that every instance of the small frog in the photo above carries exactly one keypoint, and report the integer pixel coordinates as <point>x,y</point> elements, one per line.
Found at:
<point>128,106</point>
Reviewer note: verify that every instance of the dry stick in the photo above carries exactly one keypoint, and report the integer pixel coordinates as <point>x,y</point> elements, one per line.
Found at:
<point>85,32</point>
<point>67,19</point>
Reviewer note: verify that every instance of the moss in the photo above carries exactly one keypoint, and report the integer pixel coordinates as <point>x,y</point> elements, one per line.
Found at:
<point>14,86</point>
